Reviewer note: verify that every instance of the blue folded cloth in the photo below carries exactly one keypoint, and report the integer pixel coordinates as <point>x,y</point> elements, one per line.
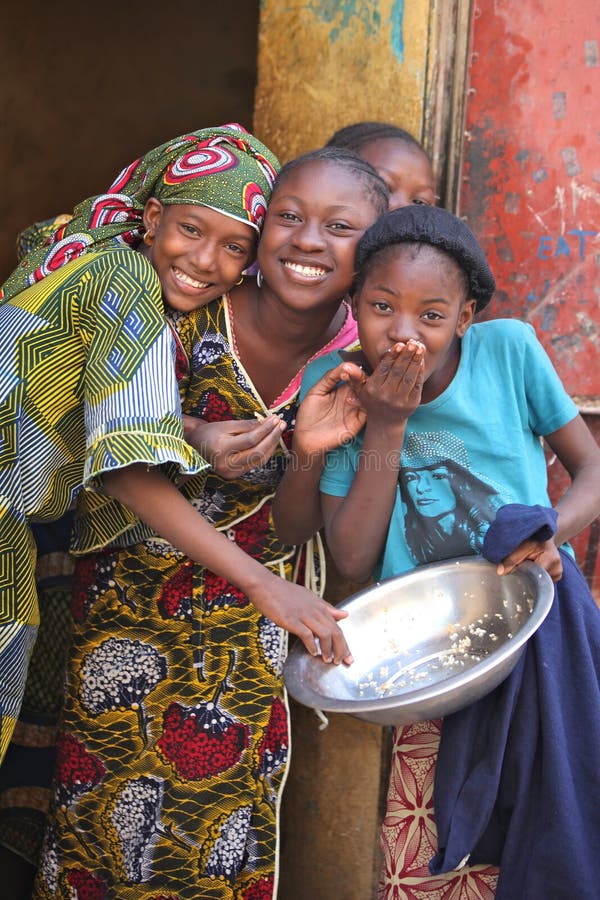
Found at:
<point>517,779</point>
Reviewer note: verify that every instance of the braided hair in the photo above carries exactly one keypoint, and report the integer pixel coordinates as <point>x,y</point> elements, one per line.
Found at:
<point>356,136</point>
<point>375,185</point>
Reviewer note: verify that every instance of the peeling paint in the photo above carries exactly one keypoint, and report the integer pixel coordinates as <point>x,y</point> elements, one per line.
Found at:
<point>512,203</point>
<point>397,38</point>
<point>587,326</point>
<point>559,104</point>
<point>344,13</point>
<point>503,248</point>
<point>583,192</point>
<point>372,63</point>
<point>531,167</point>
<point>591,53</point>
<point>570,160</point>
<point>566,343</point>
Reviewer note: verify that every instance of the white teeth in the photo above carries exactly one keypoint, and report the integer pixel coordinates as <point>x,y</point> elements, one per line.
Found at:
<point>181,276</point>
<point>307,271</point>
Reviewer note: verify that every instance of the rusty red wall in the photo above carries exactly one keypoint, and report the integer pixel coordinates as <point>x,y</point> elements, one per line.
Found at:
<point>531,186</point>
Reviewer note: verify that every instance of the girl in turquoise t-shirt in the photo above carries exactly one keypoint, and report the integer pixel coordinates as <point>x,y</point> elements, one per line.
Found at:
<point>454,416</point>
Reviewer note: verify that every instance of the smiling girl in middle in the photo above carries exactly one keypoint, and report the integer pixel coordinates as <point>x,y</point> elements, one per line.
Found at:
<point>205,745</point>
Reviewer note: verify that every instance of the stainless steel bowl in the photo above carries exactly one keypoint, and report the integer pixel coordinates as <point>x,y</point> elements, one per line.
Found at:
<point>426,643</point>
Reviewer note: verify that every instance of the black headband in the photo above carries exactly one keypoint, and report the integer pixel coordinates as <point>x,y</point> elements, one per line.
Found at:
<point>440,228</point>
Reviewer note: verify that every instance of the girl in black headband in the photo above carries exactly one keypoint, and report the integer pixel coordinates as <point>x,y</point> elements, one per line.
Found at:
<point>449,405</point>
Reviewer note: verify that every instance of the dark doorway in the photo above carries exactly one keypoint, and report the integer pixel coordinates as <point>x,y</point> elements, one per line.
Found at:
<point>87,89</point>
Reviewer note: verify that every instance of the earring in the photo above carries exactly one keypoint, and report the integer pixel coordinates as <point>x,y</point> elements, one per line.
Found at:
<point>148,238</point>
<point>241,279</point>
<point>259,278</point>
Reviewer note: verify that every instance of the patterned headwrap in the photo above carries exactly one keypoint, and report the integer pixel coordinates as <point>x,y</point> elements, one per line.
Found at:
<point>225,168</point>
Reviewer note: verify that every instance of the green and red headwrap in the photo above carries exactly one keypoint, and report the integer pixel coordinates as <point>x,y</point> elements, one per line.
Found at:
<point>225,168</point>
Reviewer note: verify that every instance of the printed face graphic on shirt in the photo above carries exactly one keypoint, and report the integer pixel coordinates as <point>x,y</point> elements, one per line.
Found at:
<point>430,490</point>
<point>447,507</point>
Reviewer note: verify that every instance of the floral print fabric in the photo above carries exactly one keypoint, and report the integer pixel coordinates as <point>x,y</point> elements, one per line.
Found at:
<point>174,740</point>
<point>409,834</point>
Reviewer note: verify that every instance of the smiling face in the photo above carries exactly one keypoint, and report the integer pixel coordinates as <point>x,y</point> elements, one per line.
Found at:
<point>415,291</point>
<point>198,252</point>
<point>315,219</point>
<point>405,168</point>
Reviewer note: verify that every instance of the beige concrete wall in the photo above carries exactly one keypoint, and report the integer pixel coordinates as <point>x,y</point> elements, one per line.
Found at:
<point>325,64</point>
<point>332,809</point>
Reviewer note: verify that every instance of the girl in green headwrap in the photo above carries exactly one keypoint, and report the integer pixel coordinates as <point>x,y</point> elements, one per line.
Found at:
<point>88,391</point>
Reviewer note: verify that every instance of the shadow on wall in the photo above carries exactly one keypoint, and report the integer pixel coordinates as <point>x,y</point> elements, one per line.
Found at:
<point>86,92</point>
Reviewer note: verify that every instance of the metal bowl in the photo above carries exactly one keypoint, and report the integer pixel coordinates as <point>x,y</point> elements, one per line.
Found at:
<point>426,643</point>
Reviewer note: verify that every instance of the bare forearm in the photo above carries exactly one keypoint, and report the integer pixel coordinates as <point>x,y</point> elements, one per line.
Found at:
<point>157,502</point>
<point>296,505</point>
<point>577,450</point>
<point>579,505</point>
<point>357,531</point>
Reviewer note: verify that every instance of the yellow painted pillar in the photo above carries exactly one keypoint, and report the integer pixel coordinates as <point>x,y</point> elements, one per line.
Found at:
<point>322,65</point>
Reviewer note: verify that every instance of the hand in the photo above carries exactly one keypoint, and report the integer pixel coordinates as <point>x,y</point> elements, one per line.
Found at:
<point>544,553</point>
<point>234,447</point>
<point>393,392</point>
<point>304,614</point>
<point>326,419</point>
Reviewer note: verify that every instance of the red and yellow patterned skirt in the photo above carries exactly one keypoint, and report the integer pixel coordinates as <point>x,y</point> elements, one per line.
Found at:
<point>174,743</point>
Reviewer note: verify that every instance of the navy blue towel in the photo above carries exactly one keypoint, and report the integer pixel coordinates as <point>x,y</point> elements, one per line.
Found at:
<point>517,780</point>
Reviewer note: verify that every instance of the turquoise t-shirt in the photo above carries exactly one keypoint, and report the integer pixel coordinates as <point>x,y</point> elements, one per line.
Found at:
<point>473,449</point>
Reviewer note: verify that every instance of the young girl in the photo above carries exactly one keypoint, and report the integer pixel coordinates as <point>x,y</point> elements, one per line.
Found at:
<point>174,744</point>
<point>406,170</point>
<point>90,393</point>
<point>396,155</point>
<point>421,276</point>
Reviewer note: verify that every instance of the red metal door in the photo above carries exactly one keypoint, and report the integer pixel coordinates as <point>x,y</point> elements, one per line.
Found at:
<point>530,187</point>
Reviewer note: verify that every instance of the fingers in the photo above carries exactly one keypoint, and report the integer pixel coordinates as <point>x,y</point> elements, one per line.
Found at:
<point>339,614</point>
<point>508,565</point>
<point>341,650</point>
<point>395,387</point>
<point>308,639</point>
<point>258,454</point>
<point>545,554</point>
<point>309,617</point>
<point>406,365</point>
<point>555,569</point>
<point>238,453</point>
<point>330,639</point>
<point>401,366</point>
<point>252,433</point>
<point>331,379</point>
<point>235,447</point>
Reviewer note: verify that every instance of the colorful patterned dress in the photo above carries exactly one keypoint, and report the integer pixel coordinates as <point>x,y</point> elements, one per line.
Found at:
<point>26,771</point>
<point>86,384</point>
<point>175,738</point>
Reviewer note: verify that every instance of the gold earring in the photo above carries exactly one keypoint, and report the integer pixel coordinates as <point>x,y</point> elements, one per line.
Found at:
<point>240,281</point>
<point>148,238</point>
